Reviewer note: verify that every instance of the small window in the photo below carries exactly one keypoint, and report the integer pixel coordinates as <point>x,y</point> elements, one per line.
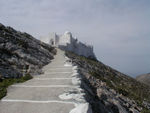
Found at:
<point>52,42</point>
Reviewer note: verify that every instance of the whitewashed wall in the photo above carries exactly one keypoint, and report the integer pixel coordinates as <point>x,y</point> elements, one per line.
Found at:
<point>67,42</point>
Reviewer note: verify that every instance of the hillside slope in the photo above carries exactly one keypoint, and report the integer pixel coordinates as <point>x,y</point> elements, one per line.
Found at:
<point>21,53</point>
<point>109,90</point>
<point>144,78</point>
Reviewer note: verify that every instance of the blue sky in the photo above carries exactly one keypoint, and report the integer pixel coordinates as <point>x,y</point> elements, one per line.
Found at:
<point>119,30</point>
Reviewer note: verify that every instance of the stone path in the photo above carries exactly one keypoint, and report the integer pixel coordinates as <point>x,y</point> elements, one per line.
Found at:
<point>46,93</point>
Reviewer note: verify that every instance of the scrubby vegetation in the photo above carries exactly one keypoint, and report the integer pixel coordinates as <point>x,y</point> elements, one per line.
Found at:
<point>125,86</point>
<point>145,111</point>
<point>120,82</point>
<point>7,82</point>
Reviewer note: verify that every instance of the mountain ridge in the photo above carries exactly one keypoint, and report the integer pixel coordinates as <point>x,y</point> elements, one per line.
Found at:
<point>144,78</point>
<point>21,53</point>
<point>110,90</point>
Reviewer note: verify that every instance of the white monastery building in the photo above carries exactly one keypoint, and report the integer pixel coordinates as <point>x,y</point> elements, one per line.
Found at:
<point>69,43</point>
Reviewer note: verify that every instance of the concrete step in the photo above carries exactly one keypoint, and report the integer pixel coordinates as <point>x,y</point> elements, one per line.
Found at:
<point>40,93</point>
<point>54,75</point>
<point>57,67</point>
<point>59,70</point>
<point>28,107</point>
<point>49,72</point>
<point>48,81</point>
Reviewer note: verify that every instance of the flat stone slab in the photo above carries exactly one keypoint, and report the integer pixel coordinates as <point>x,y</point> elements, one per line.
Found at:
<point>54,75</point>
<point>48,81</point>
<point>58,69</point>
<point>36,93</point>
<point>25,107</point>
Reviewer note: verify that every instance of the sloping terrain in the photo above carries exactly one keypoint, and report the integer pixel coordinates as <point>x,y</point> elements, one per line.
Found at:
<point>144,78</point>
<point>57,90</point>
<point>109,90</point>
<point>21,53</point>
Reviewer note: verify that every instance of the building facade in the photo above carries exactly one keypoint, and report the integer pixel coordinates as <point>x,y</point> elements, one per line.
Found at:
<point>69,43</point>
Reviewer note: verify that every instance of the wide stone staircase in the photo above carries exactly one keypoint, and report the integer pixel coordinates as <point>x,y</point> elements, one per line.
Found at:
<point>56,91</point>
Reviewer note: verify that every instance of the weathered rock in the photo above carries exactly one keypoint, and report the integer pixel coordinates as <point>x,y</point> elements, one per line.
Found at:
<point>146,104</point>
<point>110,91</point>
<point>21,53</point>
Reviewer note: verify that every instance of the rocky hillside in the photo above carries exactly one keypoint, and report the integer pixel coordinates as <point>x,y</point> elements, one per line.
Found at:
<point>20,53</point>
<point>110,91</point>
<point>144,78</point>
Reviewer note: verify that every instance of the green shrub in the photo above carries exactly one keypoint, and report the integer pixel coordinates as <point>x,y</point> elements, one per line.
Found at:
<point>123,92</point>
<point>3,92</point>
<point>145,111</point>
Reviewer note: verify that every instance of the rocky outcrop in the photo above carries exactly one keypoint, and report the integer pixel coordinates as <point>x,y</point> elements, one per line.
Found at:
<point>144,78</point>
<point>21,53</point>
<point>109,91</point>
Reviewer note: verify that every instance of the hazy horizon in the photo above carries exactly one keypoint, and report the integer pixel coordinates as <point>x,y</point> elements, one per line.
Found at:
<point>119,30</point>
